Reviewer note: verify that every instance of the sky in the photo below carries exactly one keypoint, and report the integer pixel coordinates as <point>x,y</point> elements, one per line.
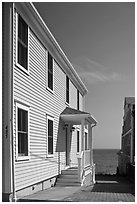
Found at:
<point>99,40</point>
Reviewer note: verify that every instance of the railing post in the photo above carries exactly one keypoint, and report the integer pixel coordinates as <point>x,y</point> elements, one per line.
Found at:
<point>79,168</point>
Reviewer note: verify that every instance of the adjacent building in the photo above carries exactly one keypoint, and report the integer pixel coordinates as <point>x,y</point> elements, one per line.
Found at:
<point>126,156</point>
<point>45,126</point>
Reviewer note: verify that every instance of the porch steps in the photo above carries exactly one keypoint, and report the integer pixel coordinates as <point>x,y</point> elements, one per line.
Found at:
<point>68,177</point>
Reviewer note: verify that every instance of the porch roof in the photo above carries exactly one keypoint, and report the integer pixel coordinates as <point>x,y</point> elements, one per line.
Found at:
<point>75,116</point>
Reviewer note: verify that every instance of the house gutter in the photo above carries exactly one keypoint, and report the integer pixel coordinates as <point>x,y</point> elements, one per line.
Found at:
<point>11,70</point>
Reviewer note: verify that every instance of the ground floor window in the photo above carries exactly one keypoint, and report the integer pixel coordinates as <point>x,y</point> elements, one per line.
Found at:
<point>77,141</point>
<point>22,126</point>
<point>50,122</point>
<point>86,140</point>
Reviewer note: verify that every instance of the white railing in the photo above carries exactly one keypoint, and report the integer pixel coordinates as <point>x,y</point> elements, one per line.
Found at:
<point>86,158</point>
<point>83,161</point>
<point>81,167</point>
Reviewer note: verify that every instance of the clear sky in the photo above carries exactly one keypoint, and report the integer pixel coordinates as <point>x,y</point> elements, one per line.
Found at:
<point>99,40</point>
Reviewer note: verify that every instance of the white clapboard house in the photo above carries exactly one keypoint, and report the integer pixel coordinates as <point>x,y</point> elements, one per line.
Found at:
<point>47,135</point>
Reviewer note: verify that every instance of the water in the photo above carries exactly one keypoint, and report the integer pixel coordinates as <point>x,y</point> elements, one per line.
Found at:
<point>106,160</point>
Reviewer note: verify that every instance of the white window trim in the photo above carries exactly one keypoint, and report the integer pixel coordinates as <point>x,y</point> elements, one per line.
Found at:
<point>52,91</point>
<point>19,158</point>
<point>87,140</point>
<point>79,141</point>
<point>50,118</point>
<point>17,64</point>
<point>69,92</point>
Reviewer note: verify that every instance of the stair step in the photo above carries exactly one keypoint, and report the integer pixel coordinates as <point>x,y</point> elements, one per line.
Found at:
<point>67,184</point>
<point>69,176</point>
<point>67,180</point>
<point>69,172</point>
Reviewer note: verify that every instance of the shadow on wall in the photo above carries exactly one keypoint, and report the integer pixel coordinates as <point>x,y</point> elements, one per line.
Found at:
<point>62,140</point>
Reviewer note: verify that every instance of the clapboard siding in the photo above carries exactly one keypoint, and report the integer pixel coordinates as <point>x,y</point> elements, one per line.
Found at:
<point>31,89</point>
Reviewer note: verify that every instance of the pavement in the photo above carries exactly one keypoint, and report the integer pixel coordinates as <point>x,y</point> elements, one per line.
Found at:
<point>108,188</point>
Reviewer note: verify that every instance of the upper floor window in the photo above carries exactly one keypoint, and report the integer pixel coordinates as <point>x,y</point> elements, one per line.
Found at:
<point>50,71</point>
<point>22,43</point>
<point>67,89</point>
<point>50,135</point>
<point>78,99</point>
<point>22,130</point>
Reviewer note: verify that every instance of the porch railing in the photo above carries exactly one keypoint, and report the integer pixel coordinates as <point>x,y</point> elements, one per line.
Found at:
<point>83,161</point>
<point>86,158</point>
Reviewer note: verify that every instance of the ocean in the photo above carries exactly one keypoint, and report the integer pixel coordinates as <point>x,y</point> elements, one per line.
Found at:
<point>106,160</point>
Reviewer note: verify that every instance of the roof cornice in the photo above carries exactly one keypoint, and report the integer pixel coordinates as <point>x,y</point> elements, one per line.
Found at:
<point>36,23</point>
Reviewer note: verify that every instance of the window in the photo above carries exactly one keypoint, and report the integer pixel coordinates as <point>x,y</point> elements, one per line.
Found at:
<point>67,89</point>
<point>77,141</point>
<point>22,130</point>
<point>22,43</point>
<point>78,99</point>
<point>50,71</point>
<point>50,135</point>
<point>86,140</point>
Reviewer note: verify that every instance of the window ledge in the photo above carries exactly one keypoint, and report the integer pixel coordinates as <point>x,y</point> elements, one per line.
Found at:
<point>25,158</point>
<point>67,104</point>
<point>22,68</point>
<point>50,156</point>
<point>50,90</point>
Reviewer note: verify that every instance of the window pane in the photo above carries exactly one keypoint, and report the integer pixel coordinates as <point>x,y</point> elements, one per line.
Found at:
<point>22,30</point>
<point>77,99</point>
<point>50,136</point>
<point>50,71</point>
<point>22,42</point>
<point>67,89</point>
<point>86,140</point>
<point>50,145</point>
<point>50,127</point>
<point>50,80</point>
<point>23,144</point>
<point>77,141</point>
<point>22,55</point>
<point>22,120</point>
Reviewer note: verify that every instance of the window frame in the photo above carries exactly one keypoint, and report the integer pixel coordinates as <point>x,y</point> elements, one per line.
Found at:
<point>48,54</point>
<point>52,119</point>
<point>25,108</point>
<point>77,99</point>
<point>78,141</point>
<point>67,90</point>
<point>86,144</point>
<point>17,63</point>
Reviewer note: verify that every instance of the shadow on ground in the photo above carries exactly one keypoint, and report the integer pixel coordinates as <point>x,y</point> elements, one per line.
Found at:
<point>113,184</point>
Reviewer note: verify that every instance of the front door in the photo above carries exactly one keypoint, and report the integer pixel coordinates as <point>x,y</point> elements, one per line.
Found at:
<point>67,147</point>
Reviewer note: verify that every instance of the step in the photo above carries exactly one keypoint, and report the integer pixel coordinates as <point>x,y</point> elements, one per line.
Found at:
<point>70,172</point>
<point>69,176</point>
<point>67,180</point>
<point>67,184</point>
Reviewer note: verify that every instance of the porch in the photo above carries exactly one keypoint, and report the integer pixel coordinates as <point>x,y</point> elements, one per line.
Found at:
<point>85,168</point>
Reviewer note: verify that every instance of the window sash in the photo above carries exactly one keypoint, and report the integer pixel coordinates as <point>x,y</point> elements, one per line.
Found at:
<point>22,43</point>
<point>86,141</point>
<point>50,136</point>
<point>78,99</point>
<point>67,89</point>
<point>77,141</point>
<point>50,71</point>
<point>22,131</point>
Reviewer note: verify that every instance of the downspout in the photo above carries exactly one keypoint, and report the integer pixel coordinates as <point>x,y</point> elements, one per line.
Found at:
<point>11,104</point>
